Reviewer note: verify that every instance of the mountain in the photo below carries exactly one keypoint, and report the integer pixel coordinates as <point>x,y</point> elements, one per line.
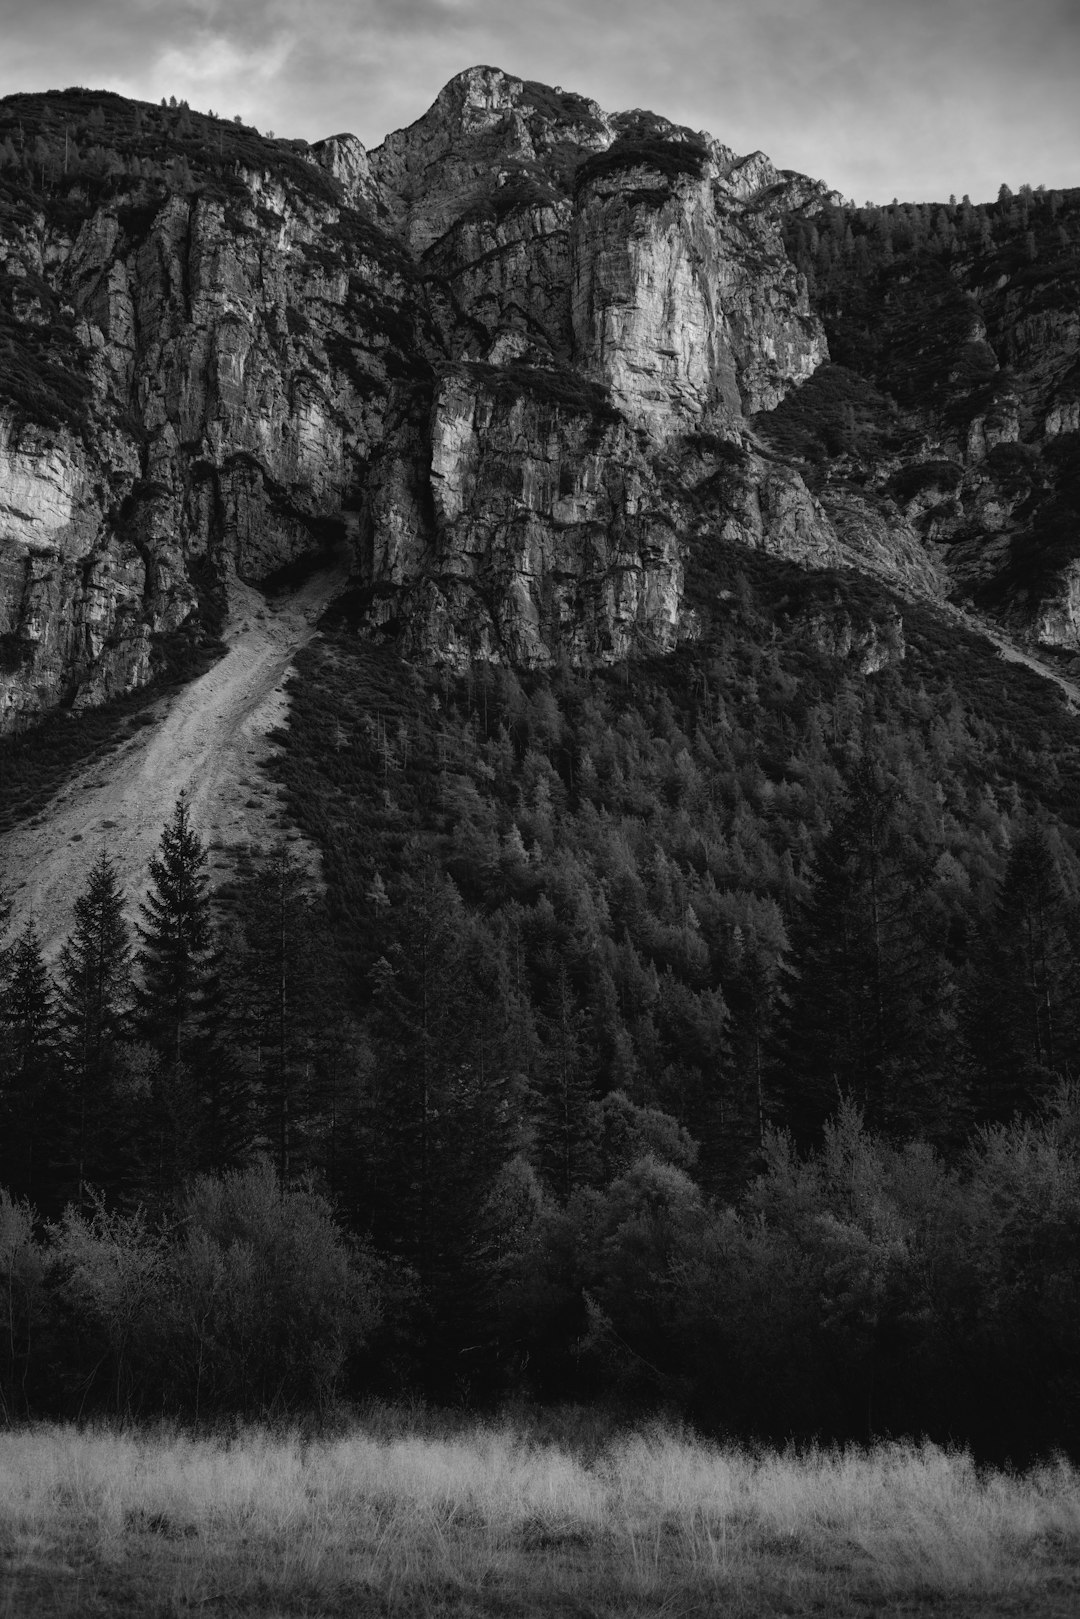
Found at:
<point>520,362</point>
<point>559,503</point>
<point>643,587</point>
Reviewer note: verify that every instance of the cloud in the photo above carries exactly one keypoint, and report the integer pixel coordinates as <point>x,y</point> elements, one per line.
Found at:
<point>912,97</point>
<point>207,70</point>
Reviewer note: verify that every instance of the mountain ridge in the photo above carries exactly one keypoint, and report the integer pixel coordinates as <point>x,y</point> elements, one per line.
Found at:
<point>662,792</point>
<point>523,356</point>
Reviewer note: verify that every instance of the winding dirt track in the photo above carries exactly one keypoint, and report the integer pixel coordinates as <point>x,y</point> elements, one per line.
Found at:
<point>209,741</point>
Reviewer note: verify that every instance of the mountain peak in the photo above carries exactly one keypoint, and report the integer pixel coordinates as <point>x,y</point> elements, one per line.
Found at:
<point>520,359</point>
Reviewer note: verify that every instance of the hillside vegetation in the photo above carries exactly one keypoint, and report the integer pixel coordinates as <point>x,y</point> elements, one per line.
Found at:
<point>699,1031</point>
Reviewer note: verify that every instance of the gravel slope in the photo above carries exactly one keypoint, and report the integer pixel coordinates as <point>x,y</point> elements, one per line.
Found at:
<point>210,741</point>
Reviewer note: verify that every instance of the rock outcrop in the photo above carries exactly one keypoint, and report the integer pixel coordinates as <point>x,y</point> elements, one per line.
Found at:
<point>234,353</point>
<point>519,358</point>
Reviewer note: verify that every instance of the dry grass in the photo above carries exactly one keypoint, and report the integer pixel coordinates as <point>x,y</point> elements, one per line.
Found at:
<point>488,1522</point>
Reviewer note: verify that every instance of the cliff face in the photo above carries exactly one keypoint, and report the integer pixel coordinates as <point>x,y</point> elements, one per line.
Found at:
<point>520,359</point>
<point>513,525</point>
<point>197,378</point>
<point>601,289</point>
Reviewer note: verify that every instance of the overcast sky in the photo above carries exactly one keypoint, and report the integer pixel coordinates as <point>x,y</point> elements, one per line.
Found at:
<point>881,98</point>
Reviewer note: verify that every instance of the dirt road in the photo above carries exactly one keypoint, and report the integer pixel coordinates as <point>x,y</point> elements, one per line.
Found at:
<point>210,741</point>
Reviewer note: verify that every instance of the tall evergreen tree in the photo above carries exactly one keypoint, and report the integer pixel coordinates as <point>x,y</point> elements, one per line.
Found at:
<point>444,1084</point>
<point>283,1001</point>
<point>95,1006</point>
<point>565,1093</point>
<point>28,1060</point>
<point>176,963</point>
<point>752,991</point>
<point>5,941</point>
<point>1023,1029</point>
<point>867,1013</point>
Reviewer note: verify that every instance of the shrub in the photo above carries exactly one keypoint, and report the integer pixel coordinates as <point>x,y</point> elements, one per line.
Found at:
<point>267,1300</point>
<point>109,1277</point>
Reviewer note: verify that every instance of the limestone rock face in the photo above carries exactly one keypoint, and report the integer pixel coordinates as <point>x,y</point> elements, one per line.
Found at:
<point>522,528</point>
<point>1058,623</point>
<point>1063,417</point>
<point>520,360</point>
<point>348,161</point>
<point>453,334</point>
<point>484,128</point>
<point>685,304</point>
<point>595,310</point>
<point>230,395</point>
<point>70,607</point>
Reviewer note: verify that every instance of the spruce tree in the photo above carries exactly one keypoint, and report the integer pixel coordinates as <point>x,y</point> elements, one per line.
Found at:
<point>444,1082</point>
<point>27,1072</point>
<point>1021,1019</point>
<point>95,1007</point>
<point>5,942</point>
<point>564,1093</point>
<point>176,964</point>
<point>867,1013</point>
<point>279,983</point>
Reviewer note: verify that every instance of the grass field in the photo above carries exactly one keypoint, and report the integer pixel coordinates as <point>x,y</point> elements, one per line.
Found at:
<point>487,1521</point>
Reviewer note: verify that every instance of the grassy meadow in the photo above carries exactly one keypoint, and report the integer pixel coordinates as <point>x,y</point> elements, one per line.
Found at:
<point>421,1518</point>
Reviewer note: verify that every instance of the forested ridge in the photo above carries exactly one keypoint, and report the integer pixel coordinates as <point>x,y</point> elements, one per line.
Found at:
<point>700,1030</point>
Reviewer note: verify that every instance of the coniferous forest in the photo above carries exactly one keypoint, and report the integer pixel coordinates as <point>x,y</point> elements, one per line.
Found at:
<point>697,1033</point>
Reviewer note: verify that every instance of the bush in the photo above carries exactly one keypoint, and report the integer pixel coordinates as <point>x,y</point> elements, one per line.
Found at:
<point>109,1284</point>
<point>267,1301</point>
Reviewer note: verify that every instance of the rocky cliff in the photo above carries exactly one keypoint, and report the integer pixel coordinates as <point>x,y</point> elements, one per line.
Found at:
<point>518,361</point>
<point>197,354</point>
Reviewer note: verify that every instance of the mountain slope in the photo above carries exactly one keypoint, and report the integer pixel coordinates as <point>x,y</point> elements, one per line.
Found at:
<point>208,741</point>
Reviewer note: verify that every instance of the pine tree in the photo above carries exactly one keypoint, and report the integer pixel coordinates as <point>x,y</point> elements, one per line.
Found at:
<point>95,993</point>
<point>565,1093</point>
<point>27,1071</point>
<point>6,943</point>
<point>867,1009</point>
<point>752,991</point>
<point>445,1076</point>
<point>283,1013</point>
<point>176,964</point>
<point>1023,1028</point>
